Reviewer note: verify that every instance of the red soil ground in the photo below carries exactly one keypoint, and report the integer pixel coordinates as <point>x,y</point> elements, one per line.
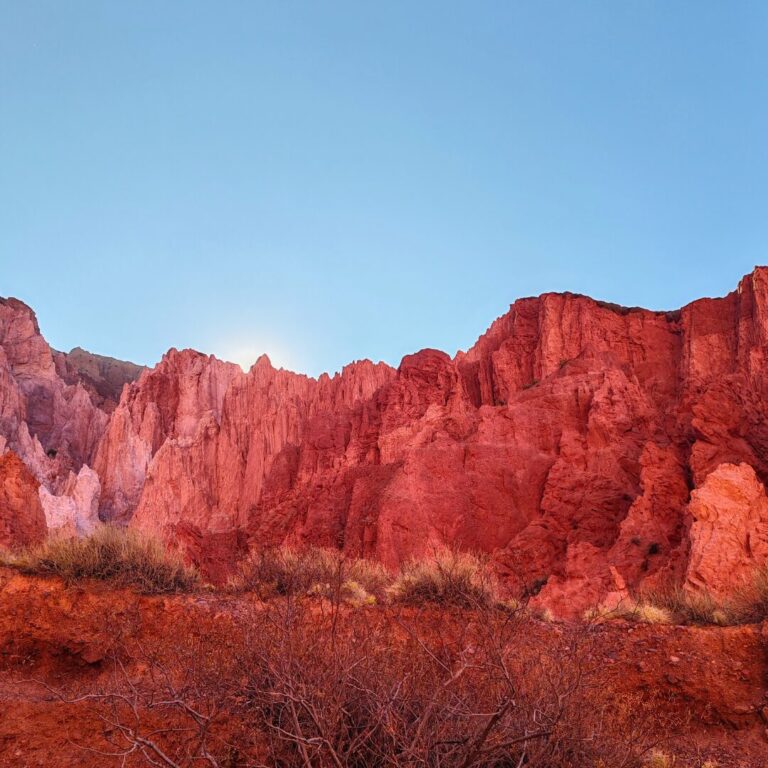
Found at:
<point>59,636</point>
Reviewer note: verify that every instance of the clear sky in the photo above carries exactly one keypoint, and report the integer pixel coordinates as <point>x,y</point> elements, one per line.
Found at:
<point>327,181</point>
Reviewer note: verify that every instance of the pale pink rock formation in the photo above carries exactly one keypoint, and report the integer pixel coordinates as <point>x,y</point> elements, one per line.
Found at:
<point>168,407</point>
<point>48,416</point>
<point>74,511</point>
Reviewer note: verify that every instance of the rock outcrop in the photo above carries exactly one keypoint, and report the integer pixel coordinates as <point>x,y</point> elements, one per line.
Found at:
<point>22,522</point>
<point>53,413</point>
<point>74,511</point>
<point>102,377</point>
<point>729,535</point>
<point>566,443</point>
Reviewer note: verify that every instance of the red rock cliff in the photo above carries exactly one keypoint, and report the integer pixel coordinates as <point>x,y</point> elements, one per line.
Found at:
<point>566,443</point>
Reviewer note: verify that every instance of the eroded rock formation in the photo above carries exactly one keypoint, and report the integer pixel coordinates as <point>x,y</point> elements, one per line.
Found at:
<point>53,413</point>
<point>729,535</point>
<point>566,442</point>
<point>22,522</point>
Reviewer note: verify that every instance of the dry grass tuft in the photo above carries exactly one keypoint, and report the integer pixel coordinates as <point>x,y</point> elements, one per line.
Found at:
<point>448,578</point>
<point>750,602</point>
<point>282,571</point>
<point>746,604</point>
<point>652,614</point>
<point>687,607</point>
<point>659,759</point>
<point>644,613</point>
<point>121,556</point>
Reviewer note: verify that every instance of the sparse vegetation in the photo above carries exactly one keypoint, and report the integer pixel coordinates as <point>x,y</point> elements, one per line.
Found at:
<point>659,759</point>
<point>284,571</point>
<point>751,602</point>
<point>287,685</point>
<point>448,578</point>
<point>653,614</point>
<point>118,555</point>
<point>746,604</point>
<point>687,607</point>
<point>644,613</point>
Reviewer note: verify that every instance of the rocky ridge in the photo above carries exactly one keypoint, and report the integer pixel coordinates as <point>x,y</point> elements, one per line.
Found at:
<point>575,442</point>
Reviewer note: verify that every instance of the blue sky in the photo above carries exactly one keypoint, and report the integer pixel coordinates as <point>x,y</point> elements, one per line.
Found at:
<point>327,181</point>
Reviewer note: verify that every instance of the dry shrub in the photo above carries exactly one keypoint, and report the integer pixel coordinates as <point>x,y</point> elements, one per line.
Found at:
<point>668,604</point>
<point>293,686</point>
<point>450,577</point>
<point>282,571</point>
<point>372,576</point>
<point>747,604</point>
<point>122,556</point>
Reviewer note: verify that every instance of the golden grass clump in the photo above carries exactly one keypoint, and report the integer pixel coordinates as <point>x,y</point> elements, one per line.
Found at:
<point>747,603</point>
<point>121,556</point>
<point>652,614</point>
<point>659,759</point>
<point>688,607</point>
<point>642,612</point>
<point>354,593</point>
<point>450,577</point>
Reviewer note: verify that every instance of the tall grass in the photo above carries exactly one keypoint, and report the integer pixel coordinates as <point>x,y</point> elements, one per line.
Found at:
<point>121,556</point>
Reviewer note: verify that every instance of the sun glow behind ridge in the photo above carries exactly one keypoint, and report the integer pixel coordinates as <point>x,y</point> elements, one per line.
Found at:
<point>245,353</point>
